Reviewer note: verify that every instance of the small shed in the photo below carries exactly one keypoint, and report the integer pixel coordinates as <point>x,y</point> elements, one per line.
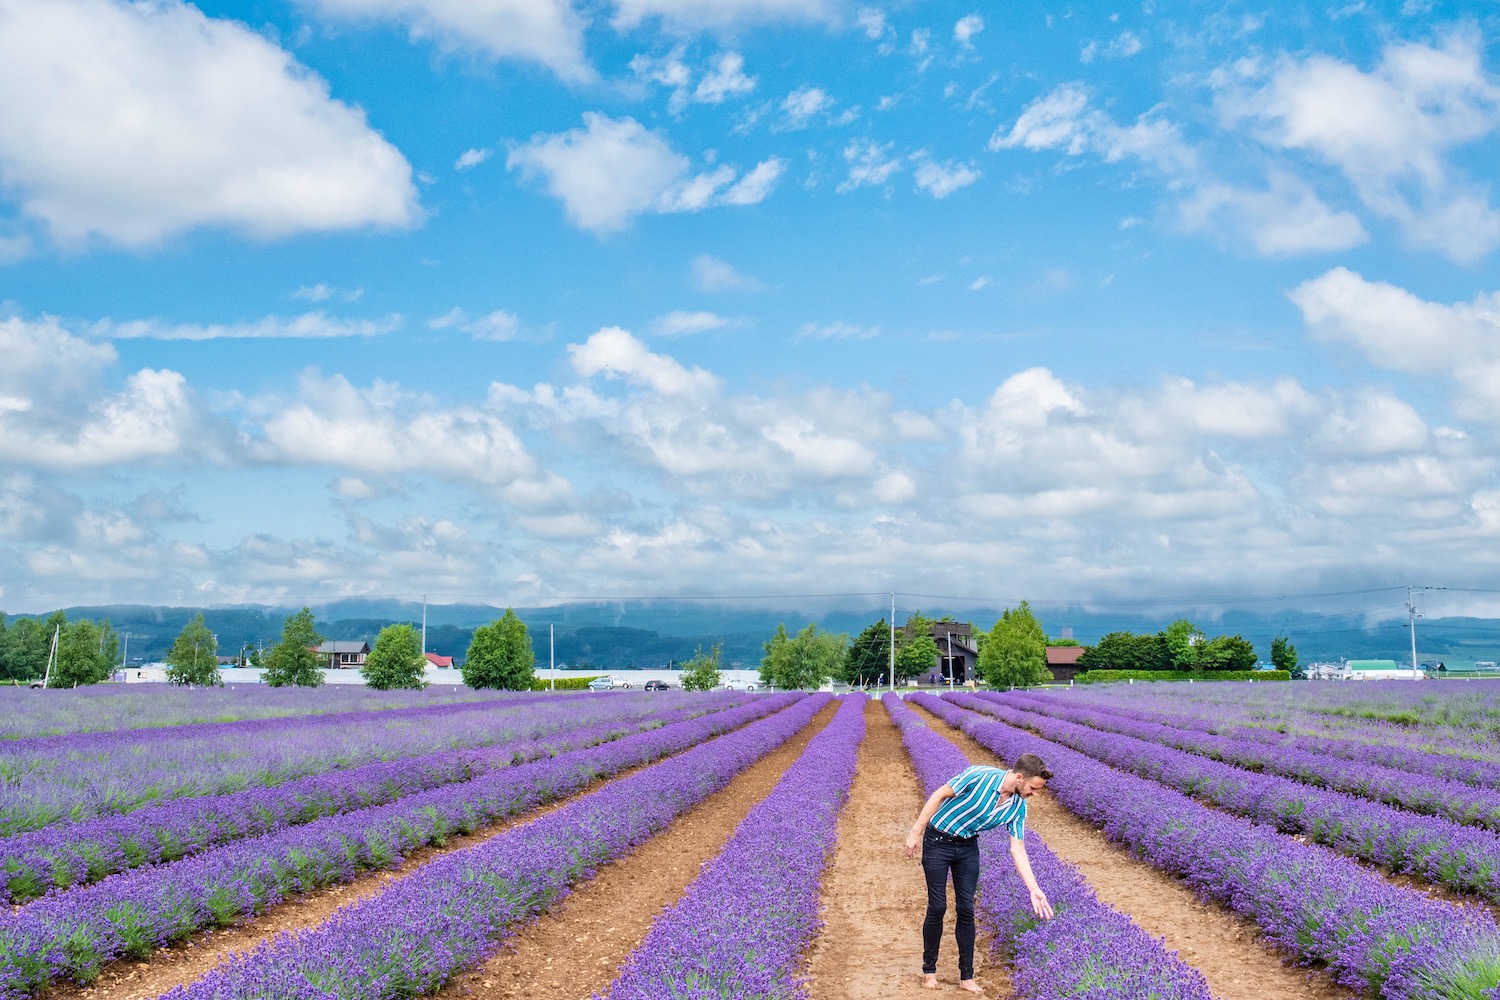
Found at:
<point>1062,661</point>
<point>436,662</point>
<point>1379,670</point>
<point>344,654</point>
<point>958,657</point>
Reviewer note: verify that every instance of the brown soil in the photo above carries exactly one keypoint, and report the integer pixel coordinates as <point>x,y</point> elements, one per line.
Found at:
<point>182,963</point>
<point>1227,948</point>
<point>874,895</point>
<point>577,948</point>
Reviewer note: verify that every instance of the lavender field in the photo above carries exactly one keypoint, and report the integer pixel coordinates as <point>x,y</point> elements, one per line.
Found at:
<point>368,848</point>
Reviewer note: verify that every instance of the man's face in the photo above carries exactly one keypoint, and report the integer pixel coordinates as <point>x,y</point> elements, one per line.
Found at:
<point>1030,786</point>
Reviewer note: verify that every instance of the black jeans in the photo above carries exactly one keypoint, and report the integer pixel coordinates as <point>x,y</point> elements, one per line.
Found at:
<point>940,855</point>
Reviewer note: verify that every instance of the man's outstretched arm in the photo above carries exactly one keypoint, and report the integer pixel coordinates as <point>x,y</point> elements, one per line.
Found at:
<point>936,799</point>
<point>1023,868</point>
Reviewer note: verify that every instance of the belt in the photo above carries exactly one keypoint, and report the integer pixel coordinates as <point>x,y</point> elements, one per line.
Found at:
<point>948,837</point>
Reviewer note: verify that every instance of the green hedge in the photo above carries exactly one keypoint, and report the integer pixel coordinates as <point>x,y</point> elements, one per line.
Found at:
<point>565,684</point>
<point>1116,676</point>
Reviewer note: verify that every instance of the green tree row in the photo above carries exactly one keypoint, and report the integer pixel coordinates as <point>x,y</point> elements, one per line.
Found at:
<point>87,651</point>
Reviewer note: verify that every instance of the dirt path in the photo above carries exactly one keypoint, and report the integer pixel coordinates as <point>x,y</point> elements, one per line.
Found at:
<point>186,961</point>
<point>577,947</point>
<point>874,896</point>
<point>1225,947</point>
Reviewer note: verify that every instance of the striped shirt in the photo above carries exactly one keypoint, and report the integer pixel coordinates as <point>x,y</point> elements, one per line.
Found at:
<point>979,805</point>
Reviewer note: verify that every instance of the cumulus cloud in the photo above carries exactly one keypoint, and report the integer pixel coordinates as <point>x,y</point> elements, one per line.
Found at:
<point>942,179</point>
<point>724,78</point>
<point>799,107</point>
<point>1390,131</point>
<point>156,119</point>
<point>870,163</point>
<point>966,28</point>
<point>610,171</point>
<point>547,32</point>
<point>471,158</point>
<point>1399,331</point>
<point>384,431</point>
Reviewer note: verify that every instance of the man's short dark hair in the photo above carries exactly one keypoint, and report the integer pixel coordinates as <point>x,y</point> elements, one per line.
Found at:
<point>1029,765</point>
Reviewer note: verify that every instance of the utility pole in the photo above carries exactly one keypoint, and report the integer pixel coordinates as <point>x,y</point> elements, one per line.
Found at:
<point>51,656</point>
<point>551,658</point>
<point>424,626</point>
<point>1412,615</point>
<point>893,641</point>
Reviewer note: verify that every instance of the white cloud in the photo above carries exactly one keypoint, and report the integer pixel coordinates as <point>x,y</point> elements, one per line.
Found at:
<point>966,28</point>
<point>611,171</point>
<point>870,163</point>
<point>548,32</point>
<point>724,78</point>
<point>1122,46</point>
<point>1288,218</point>
<point>614,353</point>
<point>755,186</point>
<point>1389,131</point>
<point>713,275</point>
<point>681,321</point>
<point>872,22</point>
<point>471,158</point>
<point>942,179</point>
<point>802,104</point>
<point>721,14</point>
<point>314,325</point>
<point>156,119</point>
<point>838,330</point>
<point>1397,330</point>
<point>497,325</point>
<point>383,431</point>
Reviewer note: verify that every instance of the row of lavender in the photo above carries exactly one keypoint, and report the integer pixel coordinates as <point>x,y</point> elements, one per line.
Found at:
<point>412,936</point>
<point>28,714</point>
<point>1432,796</point>
<point>1087,949</point>
<point>73,934</point>
<point>740,929</point>
<point>1386,941</point>
<point>1451,719</point>
<point>1383,744</point>
<point>49,781</point>
<point>1457,856</point>
<point>68,854</point>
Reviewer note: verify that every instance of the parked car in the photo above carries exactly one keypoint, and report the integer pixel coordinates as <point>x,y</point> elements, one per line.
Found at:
<point>657,685</point>
<point>740,685</point>
<point>601,684</point>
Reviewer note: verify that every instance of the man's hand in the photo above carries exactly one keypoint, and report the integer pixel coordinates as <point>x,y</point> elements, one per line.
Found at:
<point>1040,905</point>
<point>913,841</point>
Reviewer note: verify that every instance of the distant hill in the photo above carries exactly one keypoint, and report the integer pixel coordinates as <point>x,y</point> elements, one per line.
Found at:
<point>619,635</point>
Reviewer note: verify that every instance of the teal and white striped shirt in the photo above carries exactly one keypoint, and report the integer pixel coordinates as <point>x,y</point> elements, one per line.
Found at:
<point>979,806</point>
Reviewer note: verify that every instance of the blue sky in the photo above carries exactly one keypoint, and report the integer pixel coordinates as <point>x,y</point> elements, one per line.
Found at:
<point>532,300</point>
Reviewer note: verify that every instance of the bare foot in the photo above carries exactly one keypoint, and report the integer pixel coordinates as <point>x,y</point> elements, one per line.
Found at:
<point>929,980</point>
<point>971,985</point>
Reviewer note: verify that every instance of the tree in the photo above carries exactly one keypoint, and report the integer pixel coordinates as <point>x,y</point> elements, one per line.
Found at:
<point>1015,654</point>
<point>294,660</point>
<point>1227,652</point>
<point>1284,656</point>
<point>27,643</point>
<point>85,654</point>
<point>500,656</point>
<point>1182,641</point>
<point>193,658</point>
<point>1126,651</point>
<point>701,673</point>
<point>396,661</point>
<point>916,651</point>
<point>868,657</point>
<point>804,662</point>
